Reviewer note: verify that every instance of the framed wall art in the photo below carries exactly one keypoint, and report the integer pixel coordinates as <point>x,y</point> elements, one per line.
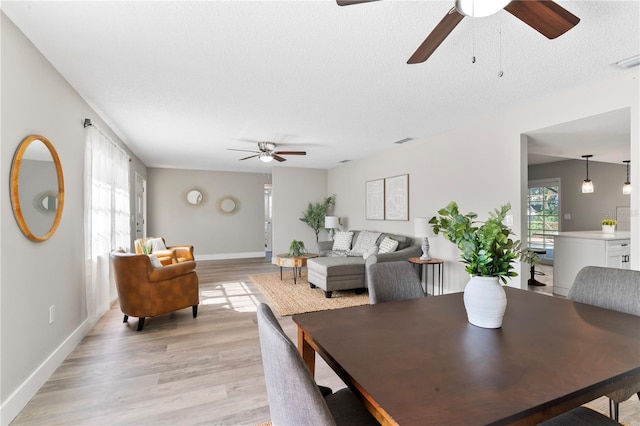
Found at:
<point>374,199</point>
<point>396,203</point>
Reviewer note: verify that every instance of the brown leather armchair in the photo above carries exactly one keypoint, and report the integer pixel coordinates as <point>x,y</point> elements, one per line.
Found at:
<point>145,291</point>
<point>172,254</point>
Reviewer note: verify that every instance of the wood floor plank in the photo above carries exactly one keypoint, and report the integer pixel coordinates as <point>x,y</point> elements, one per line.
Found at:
<point>181,370</point>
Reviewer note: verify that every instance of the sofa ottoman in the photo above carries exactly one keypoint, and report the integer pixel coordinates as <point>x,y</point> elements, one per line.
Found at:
<point>336,273</point>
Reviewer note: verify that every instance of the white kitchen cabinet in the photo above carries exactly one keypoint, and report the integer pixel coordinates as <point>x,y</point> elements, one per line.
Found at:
<point>575,250</point>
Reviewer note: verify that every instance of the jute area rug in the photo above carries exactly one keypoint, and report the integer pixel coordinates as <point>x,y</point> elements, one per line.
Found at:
<point>288,298</point>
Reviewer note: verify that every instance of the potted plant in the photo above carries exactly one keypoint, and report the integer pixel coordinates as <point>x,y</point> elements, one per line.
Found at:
<point>609,226</point>
<point>296,248</point>
<point>315,213</point>
<point>488,251</point>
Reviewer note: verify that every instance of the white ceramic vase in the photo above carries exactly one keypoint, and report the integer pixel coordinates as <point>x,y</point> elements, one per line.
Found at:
<point>485,302</point>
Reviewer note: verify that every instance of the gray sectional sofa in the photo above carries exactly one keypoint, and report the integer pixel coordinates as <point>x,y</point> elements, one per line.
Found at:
<point>345,270</point>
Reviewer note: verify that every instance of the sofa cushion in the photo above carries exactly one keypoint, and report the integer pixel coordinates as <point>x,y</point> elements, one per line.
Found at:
<point>369,252</point>
<point>364,241</point>
<point>403,240</point>
<point>388,245</point>
<point>342,241</point>
<point>336,266</point>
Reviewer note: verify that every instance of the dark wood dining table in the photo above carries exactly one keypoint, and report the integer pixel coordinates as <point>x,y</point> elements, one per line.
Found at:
<point>419,362</point>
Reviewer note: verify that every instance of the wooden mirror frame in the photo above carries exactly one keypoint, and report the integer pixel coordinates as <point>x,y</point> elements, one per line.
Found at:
<point>222,201</point>
<point>15,195</point>
<point>199,197</point>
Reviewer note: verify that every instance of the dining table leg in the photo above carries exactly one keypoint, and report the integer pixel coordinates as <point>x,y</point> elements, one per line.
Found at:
<point>306,351</point>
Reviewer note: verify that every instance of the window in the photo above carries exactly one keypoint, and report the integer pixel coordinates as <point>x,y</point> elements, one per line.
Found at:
<point>543,214</point>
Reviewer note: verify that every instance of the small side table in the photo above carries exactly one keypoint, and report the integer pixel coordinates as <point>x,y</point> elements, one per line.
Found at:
<point>433,262</point>
<point>296,262</point>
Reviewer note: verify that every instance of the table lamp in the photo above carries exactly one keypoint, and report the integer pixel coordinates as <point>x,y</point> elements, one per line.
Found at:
<point>423,230</point>
<point>331,223</point>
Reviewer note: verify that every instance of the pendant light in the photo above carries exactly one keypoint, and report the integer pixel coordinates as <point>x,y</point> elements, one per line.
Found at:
<point>626,188</point>
<point>587,185</point>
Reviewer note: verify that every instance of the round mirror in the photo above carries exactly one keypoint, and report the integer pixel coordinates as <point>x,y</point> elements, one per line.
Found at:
<point>194,197</point>
<point>37,188</point>
<point>228,205</point>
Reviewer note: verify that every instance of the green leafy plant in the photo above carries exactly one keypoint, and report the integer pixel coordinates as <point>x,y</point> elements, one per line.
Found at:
<point>296,248</point>
<point>487,248</point>
<point>610,222</point>
<point>315,213</point>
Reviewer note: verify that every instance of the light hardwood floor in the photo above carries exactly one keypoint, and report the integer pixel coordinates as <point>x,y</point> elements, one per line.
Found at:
<point>180,370</point>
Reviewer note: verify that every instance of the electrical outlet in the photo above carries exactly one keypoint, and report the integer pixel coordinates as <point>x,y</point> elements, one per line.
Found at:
<point>52,314</point>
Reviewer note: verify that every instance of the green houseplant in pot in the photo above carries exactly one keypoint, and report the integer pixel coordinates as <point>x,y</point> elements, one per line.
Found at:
<point>609,226</point>
<point>488,251</point>
<point>315,213</point>
<point>296,248</point>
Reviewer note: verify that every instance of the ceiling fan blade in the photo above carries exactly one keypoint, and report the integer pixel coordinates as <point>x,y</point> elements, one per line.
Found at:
<point>350,2</point>
<point>290,152</point>
<point>278,158</point>
<point>251,156</point>
<point>547,17</point>
<point>242,150</point>
<point>437,36</point>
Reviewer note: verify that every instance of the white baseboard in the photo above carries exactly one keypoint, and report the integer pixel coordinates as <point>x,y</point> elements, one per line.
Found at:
<point>224,256</point>
<point>21,396</point>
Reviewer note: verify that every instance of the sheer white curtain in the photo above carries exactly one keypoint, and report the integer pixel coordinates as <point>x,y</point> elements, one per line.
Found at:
<point>106,214</point>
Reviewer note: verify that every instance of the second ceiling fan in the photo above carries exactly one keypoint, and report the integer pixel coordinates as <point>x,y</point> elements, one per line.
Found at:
<point>266,152</point>
<point>545,16</point>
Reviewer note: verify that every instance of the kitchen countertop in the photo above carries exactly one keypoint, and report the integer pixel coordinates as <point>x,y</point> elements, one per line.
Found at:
<point>595,235</point>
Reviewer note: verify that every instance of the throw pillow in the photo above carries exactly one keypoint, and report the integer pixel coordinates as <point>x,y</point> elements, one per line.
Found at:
<point>388,245</point>
<point>156,244</point>
<point>342,241</point>
<point>369,252</point>
<point>155,262</point>
<point>364,241</point>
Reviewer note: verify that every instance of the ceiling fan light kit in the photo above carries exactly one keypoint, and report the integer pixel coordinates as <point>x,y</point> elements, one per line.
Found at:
<point>480,8</point>
<point>545,16</point>
<point>267,153</point>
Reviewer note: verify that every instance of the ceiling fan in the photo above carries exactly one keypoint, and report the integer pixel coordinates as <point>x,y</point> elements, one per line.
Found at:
<point>545,16</point>
<point>266,152</point>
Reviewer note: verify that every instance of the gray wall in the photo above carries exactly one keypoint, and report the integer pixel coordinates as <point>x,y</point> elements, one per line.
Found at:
<point>36,99</point>
<point>586,210</point>
<point>213,235</point>
<point>293,190</point>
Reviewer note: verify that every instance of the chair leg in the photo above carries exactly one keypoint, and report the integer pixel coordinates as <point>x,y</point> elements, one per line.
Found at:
<point>140,323</point>
<point>194,308</point>
<point>614,409</point>
<point>126,318</point>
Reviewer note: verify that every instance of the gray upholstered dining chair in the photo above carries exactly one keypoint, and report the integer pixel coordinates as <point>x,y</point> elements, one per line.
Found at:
<point>390,281</point>
<point>294,397</point>
<point>615,289</point>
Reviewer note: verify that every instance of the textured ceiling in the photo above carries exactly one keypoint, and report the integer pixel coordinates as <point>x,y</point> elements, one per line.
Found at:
<point>180,82</point>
